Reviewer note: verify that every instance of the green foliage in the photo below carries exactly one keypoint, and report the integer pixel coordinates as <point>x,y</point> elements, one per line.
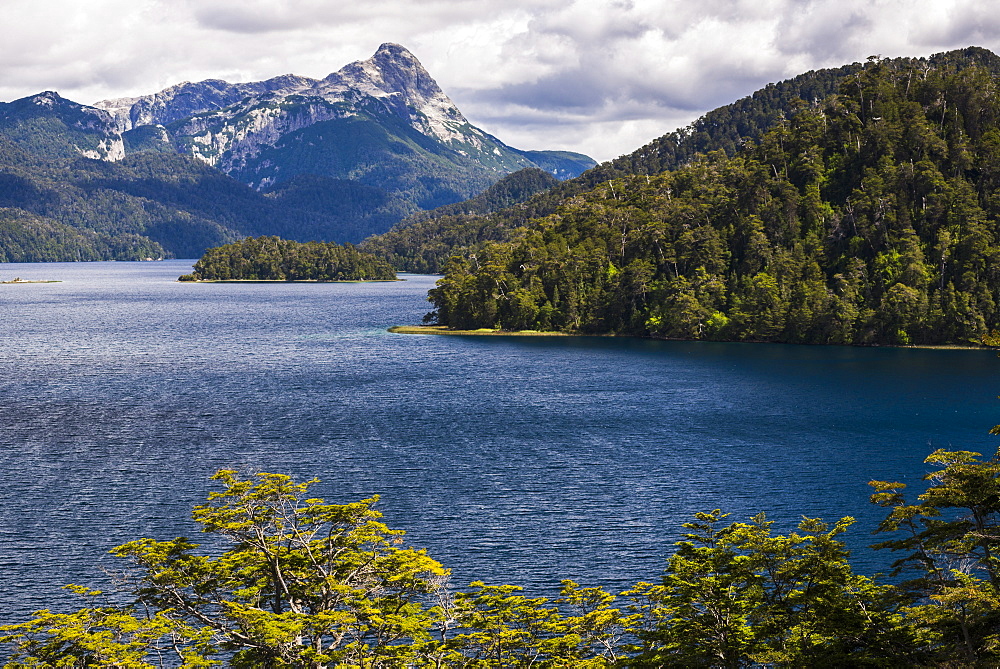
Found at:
<point>867,218</point>
<point>302,583</point>
<point>736,595</point>
<point>98,636</point>
<point>422,242</point>
<point>275,259</point>
<point>950,540</point>
<point>296,581</point>
<point>25,237</point>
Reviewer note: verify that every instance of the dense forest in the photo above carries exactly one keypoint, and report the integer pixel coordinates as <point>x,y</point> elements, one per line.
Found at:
<point>869,217</point>
<point>148,205</point>
<point>305,583</point>
<point>275,259</point>
<point>25,237</point>
<point>424,241</point>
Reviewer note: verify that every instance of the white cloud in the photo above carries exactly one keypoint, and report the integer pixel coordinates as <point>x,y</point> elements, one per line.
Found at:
<point>598,76</point>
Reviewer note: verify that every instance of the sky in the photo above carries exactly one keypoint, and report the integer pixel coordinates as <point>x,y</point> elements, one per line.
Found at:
<point>601,77</point>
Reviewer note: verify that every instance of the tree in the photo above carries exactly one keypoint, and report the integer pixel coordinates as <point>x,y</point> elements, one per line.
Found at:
<point>297,582</point>
<point>951,544</point>
<point>737,595</point>
<point>275,259</point>
<point>302,583</point>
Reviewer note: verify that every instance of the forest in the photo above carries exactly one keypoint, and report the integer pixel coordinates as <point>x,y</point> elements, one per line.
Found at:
<point>869,217</point>
<point>423,242</point>
<point>275,259</point>
<point>306,583</point>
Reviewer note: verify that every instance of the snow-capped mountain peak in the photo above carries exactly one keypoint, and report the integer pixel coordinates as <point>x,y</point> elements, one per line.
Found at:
<point>266,132</point>
<point>392,75</point>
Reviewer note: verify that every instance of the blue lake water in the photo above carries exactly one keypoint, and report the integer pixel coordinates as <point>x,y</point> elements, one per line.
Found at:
<point>514,460</point>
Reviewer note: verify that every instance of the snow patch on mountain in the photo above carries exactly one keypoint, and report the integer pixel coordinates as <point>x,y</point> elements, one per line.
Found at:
<point>231,144</point>
<point>395,76</point>
<point>392,76</point>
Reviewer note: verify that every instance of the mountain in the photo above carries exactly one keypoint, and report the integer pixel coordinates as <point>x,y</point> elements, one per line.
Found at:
<point>203,164</point>
<point>381,123</point>
<point>868,217</point>
<point>56,204</point>
<point>51,127</point>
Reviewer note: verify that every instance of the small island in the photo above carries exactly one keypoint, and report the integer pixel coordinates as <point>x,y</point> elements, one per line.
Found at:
<point>276,259</point>
<point>20,280</point>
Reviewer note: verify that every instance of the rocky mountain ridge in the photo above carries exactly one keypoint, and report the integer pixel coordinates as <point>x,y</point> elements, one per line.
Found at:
<point>85,131</point>
<point>393,75</point>
<point>230,126</point>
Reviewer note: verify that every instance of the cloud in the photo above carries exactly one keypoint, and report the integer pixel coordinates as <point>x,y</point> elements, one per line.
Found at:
<point>651,65</point>
<point>598,76</point>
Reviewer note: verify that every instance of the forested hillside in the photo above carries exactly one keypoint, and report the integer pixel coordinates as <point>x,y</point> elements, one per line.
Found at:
<point>866,218</point>
<point>147,205</point>
<point>424,241</point>
<point>730,128</point>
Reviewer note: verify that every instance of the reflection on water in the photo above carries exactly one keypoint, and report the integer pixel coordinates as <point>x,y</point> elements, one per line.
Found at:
<point>523,460</point>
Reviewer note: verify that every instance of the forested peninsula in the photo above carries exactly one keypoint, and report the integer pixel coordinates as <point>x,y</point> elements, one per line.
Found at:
<point>868,217</point>
<point>275,259</point>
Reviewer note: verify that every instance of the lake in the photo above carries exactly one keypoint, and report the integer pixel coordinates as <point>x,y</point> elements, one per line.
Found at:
<point>511,459</point>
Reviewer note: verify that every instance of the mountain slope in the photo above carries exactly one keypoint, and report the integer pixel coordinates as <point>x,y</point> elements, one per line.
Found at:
<point>728,128</point>
<point>424,241</point>
<point>142,206</point>
<point>50,127</point>
<point>383,123</point>
<point>202,164</point>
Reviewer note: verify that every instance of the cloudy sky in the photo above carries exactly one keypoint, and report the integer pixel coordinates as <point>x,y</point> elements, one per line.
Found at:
<point>601,77</point>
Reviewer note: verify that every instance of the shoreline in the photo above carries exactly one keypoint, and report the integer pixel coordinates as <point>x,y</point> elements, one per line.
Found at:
<point>16,281</point>
<point>293,281</point>
<point>489,332</point>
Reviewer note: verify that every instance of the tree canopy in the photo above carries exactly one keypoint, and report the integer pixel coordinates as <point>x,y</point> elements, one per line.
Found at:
<point>290,580</point>
<point>275,259</point>
<point>870,217</point>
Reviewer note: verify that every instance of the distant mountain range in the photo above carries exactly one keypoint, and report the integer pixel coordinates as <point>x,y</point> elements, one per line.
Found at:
<point>334,159</point>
